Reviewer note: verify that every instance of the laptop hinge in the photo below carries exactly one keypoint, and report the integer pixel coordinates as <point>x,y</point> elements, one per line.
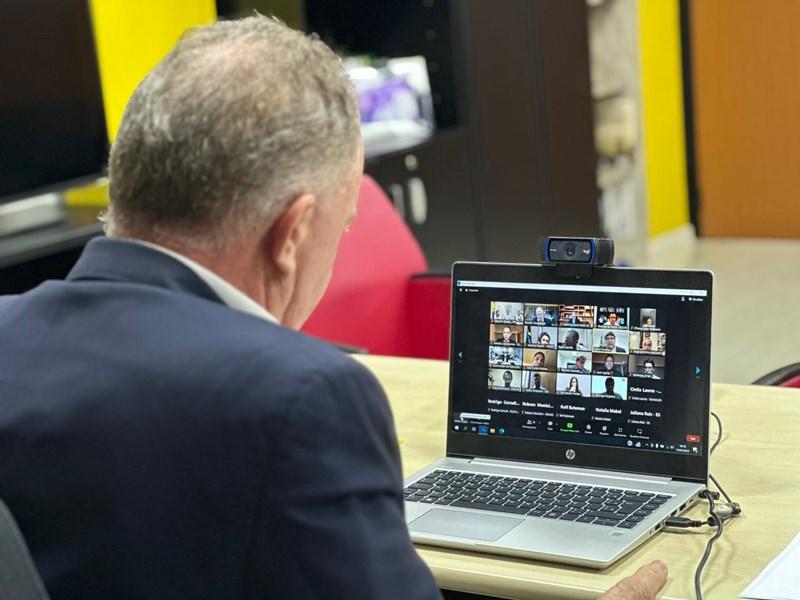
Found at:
<point>572,471</point>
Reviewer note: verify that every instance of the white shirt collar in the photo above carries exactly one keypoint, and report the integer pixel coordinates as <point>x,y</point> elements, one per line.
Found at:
<point>230,295</point>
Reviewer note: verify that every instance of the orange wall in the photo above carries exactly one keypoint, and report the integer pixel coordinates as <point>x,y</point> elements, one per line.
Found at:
<point>746,70</point>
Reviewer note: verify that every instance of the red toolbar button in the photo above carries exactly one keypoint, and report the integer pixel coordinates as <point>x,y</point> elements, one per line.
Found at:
<point>694,439</point>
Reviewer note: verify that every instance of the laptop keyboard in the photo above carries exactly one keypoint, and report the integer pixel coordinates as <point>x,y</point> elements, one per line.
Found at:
<point>610,507</point>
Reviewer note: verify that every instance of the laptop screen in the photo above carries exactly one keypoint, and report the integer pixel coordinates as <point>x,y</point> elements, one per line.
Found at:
<point>619,361</point>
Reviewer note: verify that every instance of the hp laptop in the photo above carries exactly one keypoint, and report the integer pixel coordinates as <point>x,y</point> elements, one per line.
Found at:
<point>578,412</point>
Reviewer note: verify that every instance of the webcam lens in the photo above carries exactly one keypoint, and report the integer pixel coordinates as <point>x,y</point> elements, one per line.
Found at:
<point>569,249</point>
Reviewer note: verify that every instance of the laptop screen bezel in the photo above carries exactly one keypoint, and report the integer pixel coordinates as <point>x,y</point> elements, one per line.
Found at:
<point>608,458</point>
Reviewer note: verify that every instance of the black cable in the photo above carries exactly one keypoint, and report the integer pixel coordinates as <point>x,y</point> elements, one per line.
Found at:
<point>715,519</point>
<point>718,522</point>
<point>734,507</point>
<point>719,432</point>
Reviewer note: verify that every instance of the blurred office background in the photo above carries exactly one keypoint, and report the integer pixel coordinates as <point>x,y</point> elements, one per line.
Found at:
<point>667,125</point>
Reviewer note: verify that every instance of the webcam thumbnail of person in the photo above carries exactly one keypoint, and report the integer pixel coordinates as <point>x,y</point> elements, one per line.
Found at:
<point>615,365</point>
<point>610,340</point>
<point>648,319</point>
<point>505,379</point>
<point>570,361</point>
<point>574,385</point>
<point>612,317</point>
<point>574,338</point>
<point>540,336</point>
<point>538,382</point>
<point>505,356</point>
<point>507,312</point>
<point>508,335</point>
<point>648,342</point>
<point>609,387</point>
<point>541,314</point>
<point>650,367</point>
<point>542,360</point>
<point>578,315</point>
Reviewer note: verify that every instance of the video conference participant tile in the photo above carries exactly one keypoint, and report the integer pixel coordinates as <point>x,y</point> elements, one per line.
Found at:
<point>610,340</point>
<point>541,314</point>
<point>645,389</point>
<point>574,385</point>
<point>578,315</point>
<point>604,363</point>
<point>648,367</point>
<point>506,356</point>
<point>538,382</point>
<point>541,337</point>
<point>648,318</point>
<point>505,379</point>
<point>542,360</point>
<point>574,338</point>
<point>648,342</point>
<point>505,334</point>
<point>609,387</point>
<point>507,312</point>
<point>612,317</point>
<point>573,361</point>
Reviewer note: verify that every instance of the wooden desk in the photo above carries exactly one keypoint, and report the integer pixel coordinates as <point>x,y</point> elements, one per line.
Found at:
<point>757,462</point>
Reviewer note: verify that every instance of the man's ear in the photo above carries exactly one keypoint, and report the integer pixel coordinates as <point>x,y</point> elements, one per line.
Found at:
<point>289,231</point>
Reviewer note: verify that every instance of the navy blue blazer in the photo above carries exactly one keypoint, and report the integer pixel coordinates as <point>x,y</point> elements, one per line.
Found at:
<point>156,444</point>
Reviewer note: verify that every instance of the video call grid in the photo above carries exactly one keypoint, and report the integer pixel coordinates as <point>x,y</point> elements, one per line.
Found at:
<point>573,349</point>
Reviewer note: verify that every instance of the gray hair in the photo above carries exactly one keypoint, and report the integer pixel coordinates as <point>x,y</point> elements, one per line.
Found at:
<point>238,119</point>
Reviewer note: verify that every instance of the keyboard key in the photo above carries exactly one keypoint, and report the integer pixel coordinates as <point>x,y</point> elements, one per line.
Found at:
<point>420,486</point>
<point>628,524</point>
<point>628,497</point>
<point>605,522</point>
<point>554,514</point>
<point>602,514</point>
<point>635,519</point>
<point>537,512</point>
<point>585,519</point>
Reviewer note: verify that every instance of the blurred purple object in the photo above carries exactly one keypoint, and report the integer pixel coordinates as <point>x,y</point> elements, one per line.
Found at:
<point>393,98</point>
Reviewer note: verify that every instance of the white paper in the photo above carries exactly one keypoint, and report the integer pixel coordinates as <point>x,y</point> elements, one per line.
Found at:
<point>780,580</point>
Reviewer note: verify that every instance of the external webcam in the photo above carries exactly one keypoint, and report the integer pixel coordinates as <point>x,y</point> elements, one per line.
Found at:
<point>587,251</point>
<point>576,258</point>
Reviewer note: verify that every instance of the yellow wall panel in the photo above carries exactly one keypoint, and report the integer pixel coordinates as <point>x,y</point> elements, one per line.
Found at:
<point>131,38</point>
<point>662,115</point>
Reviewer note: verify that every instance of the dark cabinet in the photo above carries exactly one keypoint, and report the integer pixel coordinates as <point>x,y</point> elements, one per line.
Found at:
<point>513,159</point>
<point>430,186</point>
<point>527,99</point>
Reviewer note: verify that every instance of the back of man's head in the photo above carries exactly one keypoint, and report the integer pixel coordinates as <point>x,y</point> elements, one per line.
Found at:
<point>238,120</point>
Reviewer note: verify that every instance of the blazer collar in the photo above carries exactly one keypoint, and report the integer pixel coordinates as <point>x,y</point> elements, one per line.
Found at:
<point>116,259</point>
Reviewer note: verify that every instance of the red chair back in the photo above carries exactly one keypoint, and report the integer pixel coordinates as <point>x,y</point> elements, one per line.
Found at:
<point>366,303</point>
<point>793,382</point>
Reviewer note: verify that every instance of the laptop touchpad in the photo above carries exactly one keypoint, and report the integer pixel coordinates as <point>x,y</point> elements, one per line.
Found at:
<point>464,524</point>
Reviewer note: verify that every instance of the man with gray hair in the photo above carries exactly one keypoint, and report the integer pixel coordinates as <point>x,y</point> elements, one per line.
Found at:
<point>164,430</point>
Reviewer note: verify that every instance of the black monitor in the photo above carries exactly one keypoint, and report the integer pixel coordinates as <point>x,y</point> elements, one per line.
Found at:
<point>52,124</point>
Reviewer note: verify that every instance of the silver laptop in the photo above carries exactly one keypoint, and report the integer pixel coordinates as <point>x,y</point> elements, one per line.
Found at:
<point>578,412</point>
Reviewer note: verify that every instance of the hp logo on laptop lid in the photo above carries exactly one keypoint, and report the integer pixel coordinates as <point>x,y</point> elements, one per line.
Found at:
<point>570,454</point>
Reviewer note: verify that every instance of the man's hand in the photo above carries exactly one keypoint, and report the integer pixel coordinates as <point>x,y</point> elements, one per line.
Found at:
<point>642,585</point>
